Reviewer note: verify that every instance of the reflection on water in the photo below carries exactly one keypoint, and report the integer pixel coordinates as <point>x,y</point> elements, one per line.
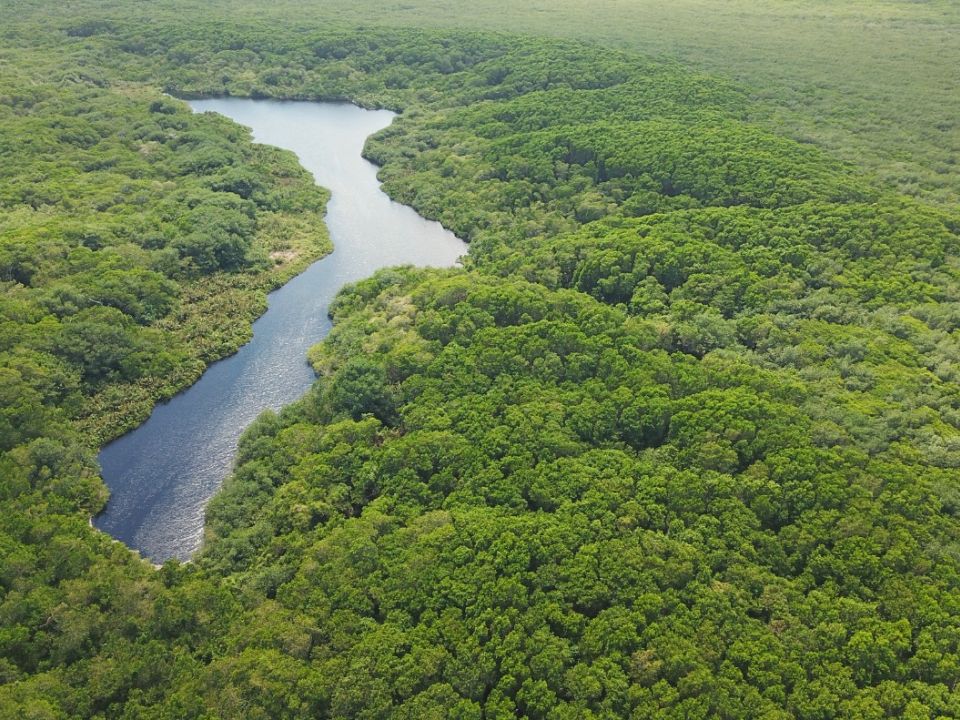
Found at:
<point>162,474</point>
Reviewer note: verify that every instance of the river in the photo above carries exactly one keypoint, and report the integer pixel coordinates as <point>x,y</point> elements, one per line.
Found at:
<point>162,474</point>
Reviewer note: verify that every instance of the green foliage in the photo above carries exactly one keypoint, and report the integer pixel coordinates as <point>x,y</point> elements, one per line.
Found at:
<point>679,441</point>
<point>121,216</point>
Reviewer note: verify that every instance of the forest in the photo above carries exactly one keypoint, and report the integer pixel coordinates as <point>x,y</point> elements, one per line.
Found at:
<point>679,440</point>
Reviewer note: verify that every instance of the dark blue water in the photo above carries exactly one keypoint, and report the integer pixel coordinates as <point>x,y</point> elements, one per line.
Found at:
<point>162,474</point>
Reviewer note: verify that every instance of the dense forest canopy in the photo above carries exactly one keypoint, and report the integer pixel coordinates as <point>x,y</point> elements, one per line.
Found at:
<point>680,439</point>
<point>873,80</point>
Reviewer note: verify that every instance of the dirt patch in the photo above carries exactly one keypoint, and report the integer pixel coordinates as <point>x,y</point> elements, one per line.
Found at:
<point>283,256</point>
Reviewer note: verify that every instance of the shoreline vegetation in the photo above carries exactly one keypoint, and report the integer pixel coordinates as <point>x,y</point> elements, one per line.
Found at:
<point>679,440</point>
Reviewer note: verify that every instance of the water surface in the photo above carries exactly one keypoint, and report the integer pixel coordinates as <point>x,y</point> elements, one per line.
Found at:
<point>162,474</point>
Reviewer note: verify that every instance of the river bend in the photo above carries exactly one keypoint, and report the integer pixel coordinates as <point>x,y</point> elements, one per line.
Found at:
<point>162,474</point>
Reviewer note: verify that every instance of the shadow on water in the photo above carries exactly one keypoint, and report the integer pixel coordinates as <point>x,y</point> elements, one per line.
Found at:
<point>162,474</point>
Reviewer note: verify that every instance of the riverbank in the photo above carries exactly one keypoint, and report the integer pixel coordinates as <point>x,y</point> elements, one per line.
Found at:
<point>162,474</point>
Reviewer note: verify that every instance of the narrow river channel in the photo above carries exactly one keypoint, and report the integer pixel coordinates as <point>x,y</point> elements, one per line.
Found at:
<point>162,474</point>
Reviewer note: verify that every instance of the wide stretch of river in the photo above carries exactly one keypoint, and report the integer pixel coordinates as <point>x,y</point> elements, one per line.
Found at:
<point>162,474</point>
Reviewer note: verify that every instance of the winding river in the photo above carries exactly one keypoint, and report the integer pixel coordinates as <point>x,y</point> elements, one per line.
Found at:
<point>162,474</point>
